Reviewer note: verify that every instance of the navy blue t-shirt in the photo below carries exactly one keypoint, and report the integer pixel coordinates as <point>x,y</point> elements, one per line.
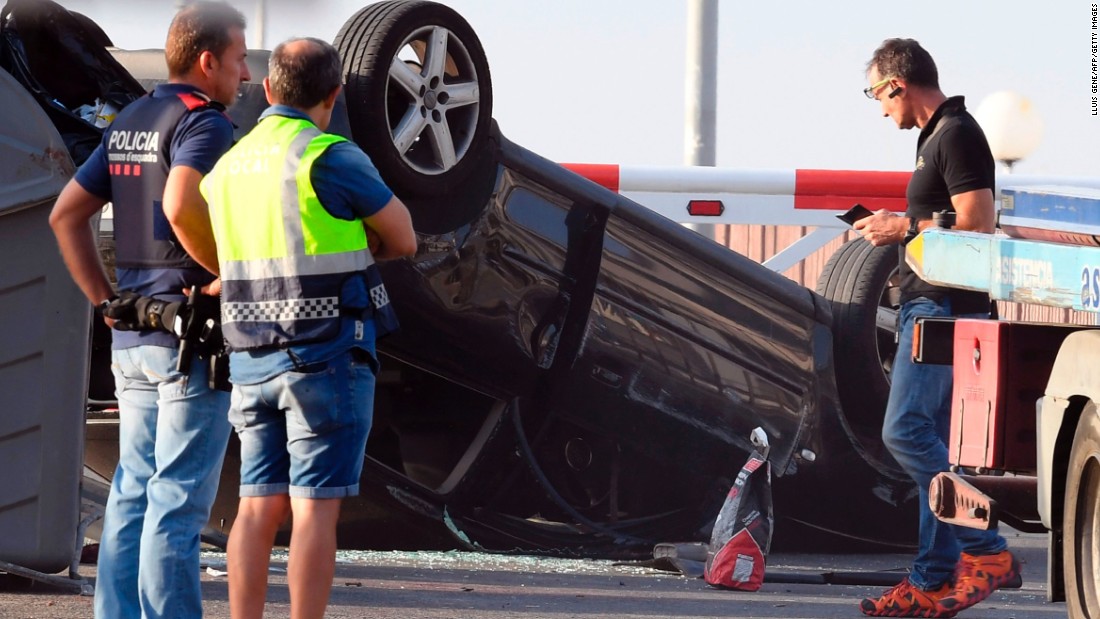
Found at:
<point>200,139</point>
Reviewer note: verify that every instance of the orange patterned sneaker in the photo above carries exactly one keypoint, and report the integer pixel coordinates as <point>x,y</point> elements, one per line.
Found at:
<point>978,576</point>
<point>905,600</point>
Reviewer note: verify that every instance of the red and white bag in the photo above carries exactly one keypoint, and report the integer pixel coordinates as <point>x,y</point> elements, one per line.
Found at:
<point>742,533</point>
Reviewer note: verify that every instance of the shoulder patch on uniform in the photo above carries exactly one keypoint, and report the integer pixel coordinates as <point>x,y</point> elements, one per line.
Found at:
<point>195,100</point>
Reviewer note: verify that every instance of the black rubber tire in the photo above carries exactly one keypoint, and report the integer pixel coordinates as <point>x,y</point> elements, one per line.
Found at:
<point>1081,519</point>
<point>861,282</point>
<point>376,45</point>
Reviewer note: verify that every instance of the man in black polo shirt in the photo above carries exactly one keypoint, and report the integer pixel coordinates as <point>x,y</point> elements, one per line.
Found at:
<point>956,567</point>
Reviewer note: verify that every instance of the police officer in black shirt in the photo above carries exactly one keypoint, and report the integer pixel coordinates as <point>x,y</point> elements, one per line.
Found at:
<point>956,567</point>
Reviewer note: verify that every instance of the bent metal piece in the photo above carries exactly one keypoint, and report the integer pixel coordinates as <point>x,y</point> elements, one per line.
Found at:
<point>981,502</point>
<point>955,501</point>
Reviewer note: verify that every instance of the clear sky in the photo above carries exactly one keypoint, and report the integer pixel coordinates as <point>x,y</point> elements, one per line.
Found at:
<point>602,81</point>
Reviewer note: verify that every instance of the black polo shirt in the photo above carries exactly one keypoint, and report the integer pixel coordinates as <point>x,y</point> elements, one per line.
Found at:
<point>953,157</point>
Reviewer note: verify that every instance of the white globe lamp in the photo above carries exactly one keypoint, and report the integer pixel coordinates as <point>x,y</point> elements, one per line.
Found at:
<point>1011,124</point>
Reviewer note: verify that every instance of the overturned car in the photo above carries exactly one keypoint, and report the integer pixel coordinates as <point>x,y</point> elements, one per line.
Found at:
<point>575,375</point>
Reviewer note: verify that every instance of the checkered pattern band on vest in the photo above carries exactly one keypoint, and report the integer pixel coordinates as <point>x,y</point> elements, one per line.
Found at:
<point>379,297</point>
<point>281,310</point>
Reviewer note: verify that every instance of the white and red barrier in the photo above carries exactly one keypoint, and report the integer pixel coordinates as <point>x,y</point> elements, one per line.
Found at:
<point>812,198</point>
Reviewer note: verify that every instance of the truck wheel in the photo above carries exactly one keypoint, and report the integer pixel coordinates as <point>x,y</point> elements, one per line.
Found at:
<point>1081,519</point>
<point>418,94</point>
<point>861,281</point>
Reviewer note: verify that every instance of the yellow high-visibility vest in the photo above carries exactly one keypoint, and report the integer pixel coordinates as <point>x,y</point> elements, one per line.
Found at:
<point>283,257</point>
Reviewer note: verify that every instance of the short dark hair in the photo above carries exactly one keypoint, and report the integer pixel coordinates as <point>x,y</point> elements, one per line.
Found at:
<point>304,77</point>
<point>199,27</point>
<point>906,59</point>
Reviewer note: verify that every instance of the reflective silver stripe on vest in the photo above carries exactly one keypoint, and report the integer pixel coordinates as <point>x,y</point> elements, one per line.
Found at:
<point>281,311</point>
<point>297,264</point>
<point>292,220</point>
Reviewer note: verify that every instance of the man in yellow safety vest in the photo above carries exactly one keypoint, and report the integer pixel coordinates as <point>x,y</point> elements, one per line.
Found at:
<point>292,208</point>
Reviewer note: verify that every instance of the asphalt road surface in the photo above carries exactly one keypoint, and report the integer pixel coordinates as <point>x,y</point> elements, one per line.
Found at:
<point>475,585</point>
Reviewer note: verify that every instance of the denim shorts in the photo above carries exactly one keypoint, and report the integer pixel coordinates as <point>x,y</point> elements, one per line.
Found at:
<point>304,432</point>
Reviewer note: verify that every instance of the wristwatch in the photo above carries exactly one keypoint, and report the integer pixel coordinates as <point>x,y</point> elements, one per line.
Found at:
<point>913,231</point>
<point>102,306</point>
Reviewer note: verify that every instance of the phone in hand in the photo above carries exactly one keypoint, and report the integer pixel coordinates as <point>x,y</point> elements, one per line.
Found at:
<point>854,214</point>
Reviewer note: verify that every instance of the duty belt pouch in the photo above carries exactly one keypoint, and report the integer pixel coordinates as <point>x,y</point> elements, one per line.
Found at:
<point>385,318</point>
<point>219,372</point>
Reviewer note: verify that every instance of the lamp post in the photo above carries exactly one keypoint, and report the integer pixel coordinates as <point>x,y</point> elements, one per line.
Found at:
<point>1011,125</point>
<point>701,91</point>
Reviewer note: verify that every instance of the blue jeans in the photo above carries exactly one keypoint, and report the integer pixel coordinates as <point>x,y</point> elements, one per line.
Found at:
<point>305,433</point>
<point>916,430</point>
<point>172,433</point>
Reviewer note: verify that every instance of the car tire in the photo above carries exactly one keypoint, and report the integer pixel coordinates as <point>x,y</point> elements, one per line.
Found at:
<point>861,281</point>
<point>1081,519</point>
<point>423,118</point>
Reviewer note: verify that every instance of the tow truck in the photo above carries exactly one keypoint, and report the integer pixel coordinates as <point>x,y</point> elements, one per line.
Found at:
<point>1025,428</point>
